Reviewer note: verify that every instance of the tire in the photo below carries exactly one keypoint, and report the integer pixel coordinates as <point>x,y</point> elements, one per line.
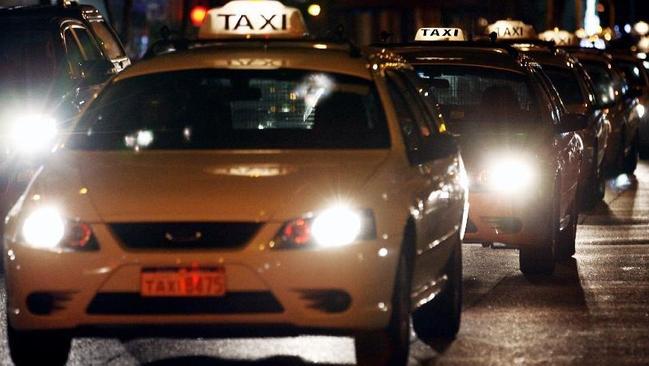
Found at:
<point>631,160</point>
<point>440,318</point>
<point>566,238</point>
<point>540,260</point>
<point>390,347</point>
<point>38,347</point>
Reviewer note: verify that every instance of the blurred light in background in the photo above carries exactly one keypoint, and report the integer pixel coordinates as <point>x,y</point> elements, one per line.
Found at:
<point>314,10</point>
<point>197,15</point>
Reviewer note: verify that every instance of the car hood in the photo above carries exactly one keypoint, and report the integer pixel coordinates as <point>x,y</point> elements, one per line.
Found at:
<point>203,186</point>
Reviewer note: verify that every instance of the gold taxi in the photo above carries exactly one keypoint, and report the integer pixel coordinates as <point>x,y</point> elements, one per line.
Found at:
<point>518,142</point>
<point>255,181</point>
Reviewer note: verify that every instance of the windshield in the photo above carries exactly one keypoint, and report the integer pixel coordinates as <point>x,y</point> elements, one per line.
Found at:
<point>567,84</point>
<point>475,95</point>
<point>27,57</point>
<point>234,109</point>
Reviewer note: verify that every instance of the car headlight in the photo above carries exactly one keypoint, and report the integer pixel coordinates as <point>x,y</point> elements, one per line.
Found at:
<point>334,227</point>
<point>46,228</point>
<point>33,133</point>
<point>509,175</point>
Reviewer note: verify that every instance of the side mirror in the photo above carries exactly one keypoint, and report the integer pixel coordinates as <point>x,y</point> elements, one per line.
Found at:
<point>95,72</point>
<point>572,122</point>
<point>442,146</point>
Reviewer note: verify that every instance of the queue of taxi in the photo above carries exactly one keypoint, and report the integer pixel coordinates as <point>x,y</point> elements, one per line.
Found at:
<point>258,180</point>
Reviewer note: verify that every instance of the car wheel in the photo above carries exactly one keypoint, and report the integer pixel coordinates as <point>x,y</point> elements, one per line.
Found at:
<point>38,347</point>
<point>566,237</point>
<point>540,260</point>
<point>631,160</point>
<point>440,318</point>
<point>390,347</point>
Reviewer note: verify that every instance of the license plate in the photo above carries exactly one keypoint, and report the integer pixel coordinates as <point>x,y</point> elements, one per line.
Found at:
<point>183,283</point>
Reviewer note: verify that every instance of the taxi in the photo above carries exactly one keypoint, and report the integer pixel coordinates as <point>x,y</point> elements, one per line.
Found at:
<point>621,105</point>
<point>638,78</point>
<point>577,92</point>
<point>517,139</point>
<point>258,181</point>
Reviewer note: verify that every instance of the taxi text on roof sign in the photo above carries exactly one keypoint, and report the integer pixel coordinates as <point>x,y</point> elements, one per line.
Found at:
<point>439,34</point>
<point>512,29</point>
<point>559,37</point>
<point>253,18</point>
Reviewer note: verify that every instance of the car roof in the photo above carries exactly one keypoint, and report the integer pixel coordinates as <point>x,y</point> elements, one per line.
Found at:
<point>259,54</point>
<point>551,56</point>
<point>460,53</point>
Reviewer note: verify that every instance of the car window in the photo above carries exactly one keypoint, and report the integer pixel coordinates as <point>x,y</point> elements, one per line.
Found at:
<point>471,96</point>
<point>235,109</point>
<point>408,115</point>
<point>73,51</point>
<point>566,83</point>
<point>107,40</point>
<point>88,44</point>
<point>606,90</point>
<point>31,60</point>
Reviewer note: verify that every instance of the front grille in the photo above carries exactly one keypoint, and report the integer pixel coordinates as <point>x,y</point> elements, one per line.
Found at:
<point>129,303</point>
<point>198,235</point>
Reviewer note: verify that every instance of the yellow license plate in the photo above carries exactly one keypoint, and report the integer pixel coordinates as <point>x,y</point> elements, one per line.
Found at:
<point>183,283</point>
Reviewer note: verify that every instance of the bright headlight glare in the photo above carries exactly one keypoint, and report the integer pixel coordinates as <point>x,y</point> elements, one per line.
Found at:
<point>33,132</point>
<point>509,175</point>
<point>336,227</point>
<point>44,228</point>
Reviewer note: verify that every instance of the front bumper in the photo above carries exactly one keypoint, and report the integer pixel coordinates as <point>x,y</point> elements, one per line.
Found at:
<point>264,286</point>
<point>512,219</point>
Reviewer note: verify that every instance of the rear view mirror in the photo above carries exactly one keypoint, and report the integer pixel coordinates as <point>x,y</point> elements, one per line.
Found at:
<point>440,83</point>
<point>95,72</point>
<point>573,122</point>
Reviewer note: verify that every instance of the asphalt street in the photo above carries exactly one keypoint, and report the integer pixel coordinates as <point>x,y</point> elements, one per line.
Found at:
<point>593,311</point>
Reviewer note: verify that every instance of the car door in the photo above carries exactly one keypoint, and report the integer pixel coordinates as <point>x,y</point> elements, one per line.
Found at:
<point>567,146</point>
<point>438,201</point>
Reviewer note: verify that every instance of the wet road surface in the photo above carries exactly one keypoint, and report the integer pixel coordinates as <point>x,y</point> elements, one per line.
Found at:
<point>593,311</point>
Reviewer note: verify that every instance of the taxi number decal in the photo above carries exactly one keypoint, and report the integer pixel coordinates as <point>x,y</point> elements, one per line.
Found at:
<point>264,22</point>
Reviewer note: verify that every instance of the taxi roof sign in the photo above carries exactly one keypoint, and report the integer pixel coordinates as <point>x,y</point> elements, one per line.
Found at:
<point>512,29</point>
<point>253,18</point>
<point>559,37</point>
<point>439,34</point>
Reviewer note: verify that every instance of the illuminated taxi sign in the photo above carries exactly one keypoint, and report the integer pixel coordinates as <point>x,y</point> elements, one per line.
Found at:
<point>439,34</point>
<point>559,37</point>
<point>252,18</point>
<point>512,29</point>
